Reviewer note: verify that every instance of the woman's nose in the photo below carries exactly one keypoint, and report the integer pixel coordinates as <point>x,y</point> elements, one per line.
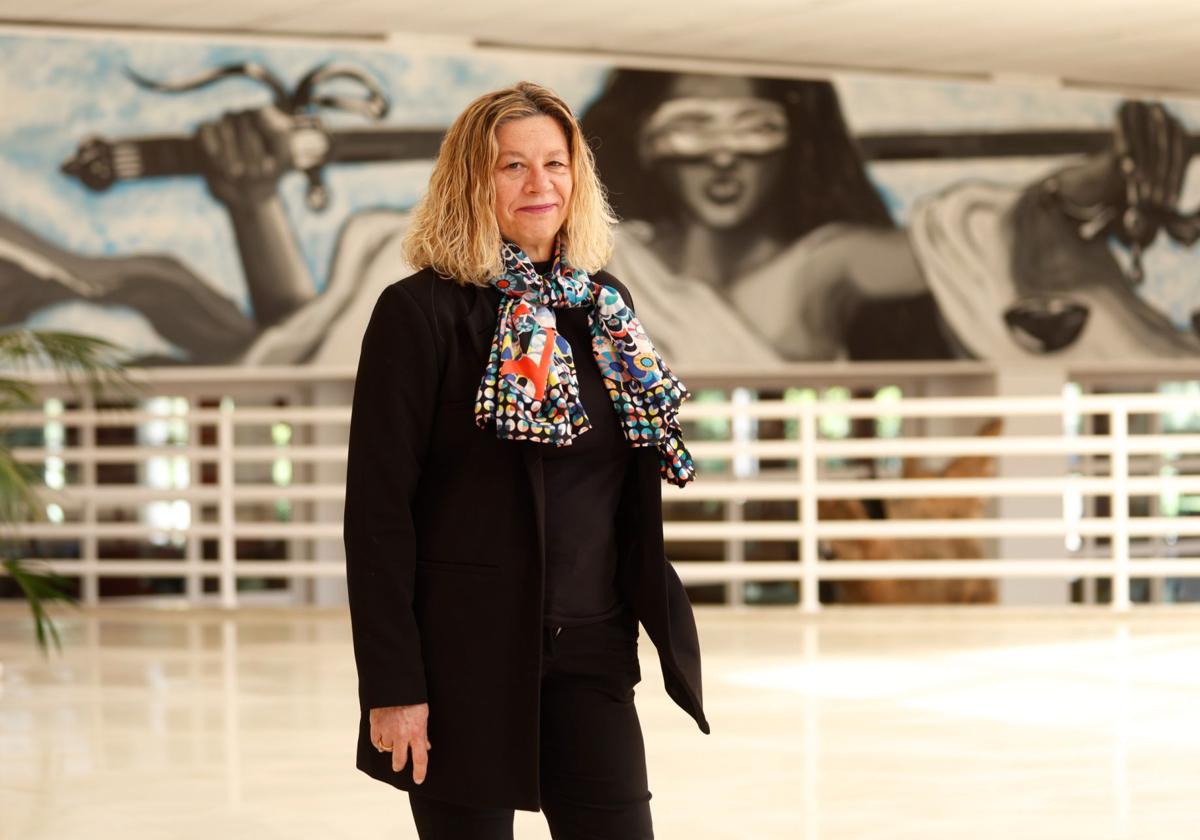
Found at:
<point>722,158</point>
<point>538,180</point>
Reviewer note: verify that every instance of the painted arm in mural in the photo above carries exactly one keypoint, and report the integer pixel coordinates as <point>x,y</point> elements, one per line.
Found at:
<point>245,154</point>
<point>182,307</point>
<point>1059,226</point>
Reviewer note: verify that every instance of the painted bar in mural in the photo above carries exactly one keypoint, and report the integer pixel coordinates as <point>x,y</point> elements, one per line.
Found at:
<point>224,204</point>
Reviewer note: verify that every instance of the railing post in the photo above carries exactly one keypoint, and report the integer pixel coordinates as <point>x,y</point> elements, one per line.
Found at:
<point>1119,474</point>
<point>735,553</point>
<point>194,546</point>
<point>90,544</point>
<point>810,601</point>
<point>735,509</point>
<point>226,544</point>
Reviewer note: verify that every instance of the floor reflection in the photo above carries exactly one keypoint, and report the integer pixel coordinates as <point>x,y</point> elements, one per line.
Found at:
<point>856,724</point>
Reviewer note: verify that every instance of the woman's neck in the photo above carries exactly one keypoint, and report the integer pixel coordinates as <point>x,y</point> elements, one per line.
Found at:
<point>536,251</point>
<point>717,257</point>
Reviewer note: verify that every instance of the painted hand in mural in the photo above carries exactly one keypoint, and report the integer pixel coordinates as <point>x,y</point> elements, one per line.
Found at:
<point>246,152</point>
<point>1151,155</point>
<point>1063,226</point>
<point>245,155</point>
<point>1131,192</point>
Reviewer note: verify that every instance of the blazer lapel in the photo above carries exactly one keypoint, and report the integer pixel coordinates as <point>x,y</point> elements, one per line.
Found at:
<point>481,321</point>
<point>480,330</point>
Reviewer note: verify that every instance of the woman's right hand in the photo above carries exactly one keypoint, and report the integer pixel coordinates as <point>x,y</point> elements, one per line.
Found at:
<point>400,728</point>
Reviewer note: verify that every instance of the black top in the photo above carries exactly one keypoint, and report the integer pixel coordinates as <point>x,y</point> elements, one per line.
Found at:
<point>583,485</point>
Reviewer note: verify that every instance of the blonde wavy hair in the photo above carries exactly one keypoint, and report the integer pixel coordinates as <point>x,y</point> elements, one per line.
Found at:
<point>454,228</point>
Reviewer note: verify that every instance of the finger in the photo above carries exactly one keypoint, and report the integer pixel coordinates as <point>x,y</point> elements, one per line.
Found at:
<point>252,145</point>
<point>1142,150</point>
<point>275,129</point>
<point>399,755</point>
<point>381,741</point>
<point>229,155</point>
<point>1123,129</point>
<point>1179,159</point>
<point>246,136</point>
<point>1126,146</point>
<point>1160,138</point>
<point>420,761</point>
<point>209,141</point>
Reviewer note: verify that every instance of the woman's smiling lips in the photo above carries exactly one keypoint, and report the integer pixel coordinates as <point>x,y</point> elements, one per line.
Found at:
<point>724,190</point>
<point>537,208</point>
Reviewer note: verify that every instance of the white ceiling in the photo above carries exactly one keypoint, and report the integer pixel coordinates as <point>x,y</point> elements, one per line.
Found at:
<point>1114,44</point>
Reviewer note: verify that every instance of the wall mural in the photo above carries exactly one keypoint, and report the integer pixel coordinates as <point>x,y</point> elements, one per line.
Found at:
<point>220,203</point>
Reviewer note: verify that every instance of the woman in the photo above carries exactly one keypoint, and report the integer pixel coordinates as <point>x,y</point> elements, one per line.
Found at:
<point>756,222</point>
<point>718,178</point>
<point>503,524</point>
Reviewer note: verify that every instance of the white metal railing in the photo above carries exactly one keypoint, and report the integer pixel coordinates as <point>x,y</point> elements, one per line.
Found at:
<point>230,508</point>
<point>1119,446</point>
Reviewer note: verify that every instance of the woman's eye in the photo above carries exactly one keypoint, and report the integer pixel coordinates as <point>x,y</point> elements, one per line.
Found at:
<point>512,165</point>
<point>686,123</point>
<point>762,125</point>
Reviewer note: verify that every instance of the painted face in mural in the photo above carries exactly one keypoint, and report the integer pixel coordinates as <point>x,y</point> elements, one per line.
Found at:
<point>718,146</point>
<point>533,183</point>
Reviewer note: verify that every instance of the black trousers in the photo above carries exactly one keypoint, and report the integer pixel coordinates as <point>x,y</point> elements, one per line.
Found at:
<point>593,760</point>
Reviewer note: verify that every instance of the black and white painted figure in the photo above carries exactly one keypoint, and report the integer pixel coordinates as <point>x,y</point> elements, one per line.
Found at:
<point>242,155</point>
<point>748,208</point>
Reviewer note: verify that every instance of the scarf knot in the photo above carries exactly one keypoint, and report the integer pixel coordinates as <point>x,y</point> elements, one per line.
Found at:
<point>530,390</point>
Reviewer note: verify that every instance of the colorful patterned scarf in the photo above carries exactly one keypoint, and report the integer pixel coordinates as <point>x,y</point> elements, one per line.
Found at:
<point>529,388</point>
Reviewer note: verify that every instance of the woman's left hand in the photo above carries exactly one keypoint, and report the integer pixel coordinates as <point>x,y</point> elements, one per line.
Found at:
<point>399,728</point>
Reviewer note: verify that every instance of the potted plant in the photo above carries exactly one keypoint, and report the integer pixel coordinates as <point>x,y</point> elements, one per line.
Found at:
<point>83,361</point>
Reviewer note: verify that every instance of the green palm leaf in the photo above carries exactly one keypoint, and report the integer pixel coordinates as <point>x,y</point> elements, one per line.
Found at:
<point>84,362</point>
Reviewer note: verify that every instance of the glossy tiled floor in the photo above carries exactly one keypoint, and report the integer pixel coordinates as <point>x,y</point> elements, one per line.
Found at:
<point>885,724</point>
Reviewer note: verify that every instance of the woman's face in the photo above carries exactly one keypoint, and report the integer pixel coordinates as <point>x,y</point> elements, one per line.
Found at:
<point>533,183</point>
<point>719,147</point>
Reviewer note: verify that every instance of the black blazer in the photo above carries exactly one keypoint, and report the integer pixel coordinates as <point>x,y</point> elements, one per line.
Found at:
<point>444,556</point>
